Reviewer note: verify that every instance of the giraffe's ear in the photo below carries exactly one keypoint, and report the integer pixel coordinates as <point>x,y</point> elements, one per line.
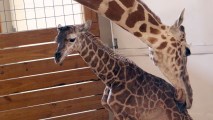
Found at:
<point>180,20</point>
<point>86,26</point>
<point>59,27</point>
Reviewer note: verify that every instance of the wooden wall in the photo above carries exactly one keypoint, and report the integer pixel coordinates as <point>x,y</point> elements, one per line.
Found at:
<point>33,87</point>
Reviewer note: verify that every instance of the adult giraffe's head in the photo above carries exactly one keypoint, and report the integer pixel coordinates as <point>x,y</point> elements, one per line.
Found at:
<point>171,58</point>
<point>67,40</point>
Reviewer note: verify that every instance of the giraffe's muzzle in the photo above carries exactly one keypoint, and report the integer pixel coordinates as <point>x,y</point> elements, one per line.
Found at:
<point>57,57</point>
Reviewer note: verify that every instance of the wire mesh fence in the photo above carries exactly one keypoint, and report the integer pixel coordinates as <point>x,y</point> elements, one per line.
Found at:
<point>22,15</point>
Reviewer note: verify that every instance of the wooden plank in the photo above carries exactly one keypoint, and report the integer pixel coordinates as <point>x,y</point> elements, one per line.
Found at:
<point>53,109</point>
<point>39,67</point>
<point>27,37</point>
<point>51,95</point>
<point>27,53</point>
<point>45,81</point>
<point>33,37</point>
<point>0,25</point>
<point>101,114</point>
<point>95,29</point>
<point>91,15</point>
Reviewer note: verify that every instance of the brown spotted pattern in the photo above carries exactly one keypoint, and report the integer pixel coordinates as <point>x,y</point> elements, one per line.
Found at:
<point>95,3</point>
<point>127,3</point>
<point>151,31</point>
<point>134,93</point>
<point>111,14</point>
<point>135,16</point>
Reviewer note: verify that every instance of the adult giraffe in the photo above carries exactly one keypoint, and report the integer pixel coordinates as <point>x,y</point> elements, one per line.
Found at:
<point>167,43</point>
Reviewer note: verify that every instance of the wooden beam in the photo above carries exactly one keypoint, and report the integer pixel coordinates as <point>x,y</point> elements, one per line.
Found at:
<point>101,114</point>
<point>39,67</point>
<point>53,109</point>
<point>34,37</point>
<point>27,53</point>
<point>45,81</point>
<point>50,95</point>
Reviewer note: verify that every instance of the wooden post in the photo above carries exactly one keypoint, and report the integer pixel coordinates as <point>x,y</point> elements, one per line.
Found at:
<point>91,15</point>
<point>0,25</point>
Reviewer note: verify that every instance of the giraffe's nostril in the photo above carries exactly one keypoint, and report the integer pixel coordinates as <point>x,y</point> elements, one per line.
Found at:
<point>57,57</point>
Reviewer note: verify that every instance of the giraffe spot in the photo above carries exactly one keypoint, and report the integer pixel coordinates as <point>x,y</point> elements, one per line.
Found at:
<point>136,16</point>
<point>101,76</point>
<point>90,46</point>
<point>150,93</point>
<point>140,100</point>
<point>152,40</point>
<point>122,97</point>
<point>137,34</point>
<point>169,49</point>
<point>100,66</point>
<point>95,3</point>
<point>143,27</point>
<point>152,20</point>
<point>87,41</point>
<point>131,100</point>
<point>154,97</point>
<point>104,70</point>
<point>174,45</point>
<point>176,56</point>
<point>177,116</point>
<point>109,75</point>
<point>172,39</point>
<point>130,111</point>
<point>83,44</point>
<point>145,103</point>
<point>105,58</point>
<point>85,51</point>
<point>163,96</point>
<point>163,27</point>
<point>130,72</point>
<point>100,53</point>
<point>111,99</point>
<point>179,62</point>
<point>172,59</point>
<point>114,11</point>
<point>147,8</point>
<point>140,91</point>
<point>111,64</point>
<point>173,51</point>
<point>169,94</point>
<point>95,47</point>
<point>154,31</point>
<point>133,86</point>
<point>127,3</point>
<point>117,107</point>
<point>169,113</point>
<point>121,74</point>
<point>94,62</point>
<point>88,58</point>
<point>151,104</point>
<point>162,45</point>
<point>163,36</point>
<point>116,69</point>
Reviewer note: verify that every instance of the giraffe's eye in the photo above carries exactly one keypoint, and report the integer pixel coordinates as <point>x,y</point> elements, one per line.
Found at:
<point>182,28</point>
<point>187,52</point>
<point>72,39</point>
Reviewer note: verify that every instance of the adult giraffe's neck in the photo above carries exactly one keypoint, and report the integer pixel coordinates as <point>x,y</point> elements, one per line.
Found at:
<point>108,66</point>
<point>132,15</point>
